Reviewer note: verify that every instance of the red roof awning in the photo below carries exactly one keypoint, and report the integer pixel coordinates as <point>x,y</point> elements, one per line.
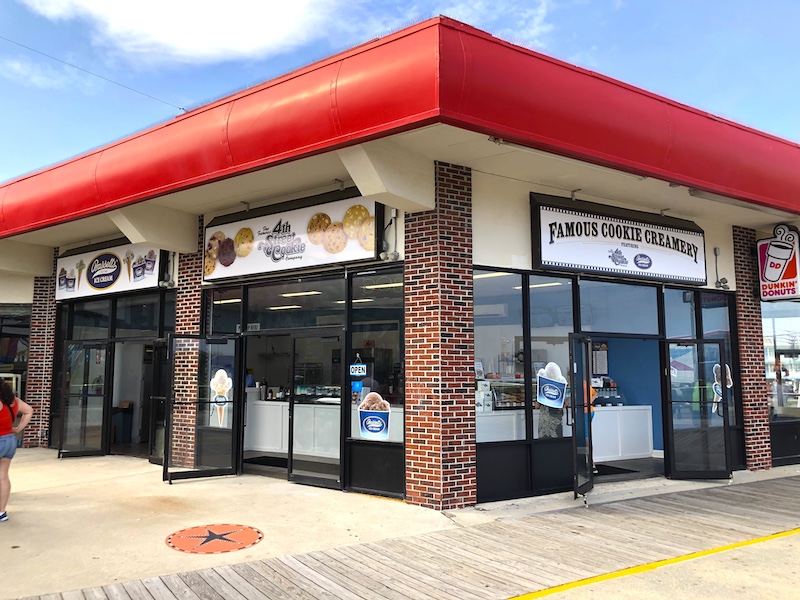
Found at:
<point>438,71</point>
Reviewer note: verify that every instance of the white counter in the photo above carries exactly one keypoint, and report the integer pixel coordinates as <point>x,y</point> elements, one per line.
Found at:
<point>620,432</point>
<point>507,425</point>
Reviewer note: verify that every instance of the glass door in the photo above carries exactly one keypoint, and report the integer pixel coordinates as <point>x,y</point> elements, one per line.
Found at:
<point>581,408</point>
<point>315,409</point>
<point>699,382</point>
<point>84,430</point>
<point>158,402</point>
<point>202,410</point>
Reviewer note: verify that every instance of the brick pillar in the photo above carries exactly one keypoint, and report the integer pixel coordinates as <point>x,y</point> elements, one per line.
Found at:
<point>188,315</point>
<point>41,347</point>
<point>755,393</point>
<point>440,347</point>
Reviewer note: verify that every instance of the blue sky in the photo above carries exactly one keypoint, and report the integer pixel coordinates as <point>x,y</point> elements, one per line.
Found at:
<point>734,58</point>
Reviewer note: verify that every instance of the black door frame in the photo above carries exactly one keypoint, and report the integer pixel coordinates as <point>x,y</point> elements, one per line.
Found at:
<point>237,427</point>
<point>671,468</point>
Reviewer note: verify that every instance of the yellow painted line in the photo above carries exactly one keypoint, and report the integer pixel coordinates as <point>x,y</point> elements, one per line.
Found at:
<point>651,566</point>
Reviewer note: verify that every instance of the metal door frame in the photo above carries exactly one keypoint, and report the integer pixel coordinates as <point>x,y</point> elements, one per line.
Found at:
<point>667,406</point>
<point>581,410</point>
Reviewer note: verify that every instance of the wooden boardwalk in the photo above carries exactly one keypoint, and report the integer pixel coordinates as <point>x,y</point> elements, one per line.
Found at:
<point>493,560</point>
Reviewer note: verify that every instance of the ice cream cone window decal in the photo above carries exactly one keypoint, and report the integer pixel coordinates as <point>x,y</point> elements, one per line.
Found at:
<point>778,265</point>
<point>103,272</point>
<point>220,385</point>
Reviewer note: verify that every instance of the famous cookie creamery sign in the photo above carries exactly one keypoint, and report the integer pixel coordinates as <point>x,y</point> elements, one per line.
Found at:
<point>119,269</point>
<point>778,265</point>
<point>335,232</point>
<point>587,237</point>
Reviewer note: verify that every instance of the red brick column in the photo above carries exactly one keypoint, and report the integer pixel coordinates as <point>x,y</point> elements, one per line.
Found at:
<point>755,395</point>
<point>41,347</point>
<point>188,306</point>
<point>440,347</point>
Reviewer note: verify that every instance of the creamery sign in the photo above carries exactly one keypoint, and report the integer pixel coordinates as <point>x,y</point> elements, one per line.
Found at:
<point>591,238</point>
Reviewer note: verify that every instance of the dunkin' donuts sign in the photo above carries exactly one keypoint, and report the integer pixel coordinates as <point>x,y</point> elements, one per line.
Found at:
<point>778,265</point>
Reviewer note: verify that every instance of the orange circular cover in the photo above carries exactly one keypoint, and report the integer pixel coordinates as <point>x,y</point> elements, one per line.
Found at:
<point>214,539</point>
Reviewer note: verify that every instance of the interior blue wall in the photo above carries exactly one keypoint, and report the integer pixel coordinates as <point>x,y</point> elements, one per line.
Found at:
<point>634,365</point>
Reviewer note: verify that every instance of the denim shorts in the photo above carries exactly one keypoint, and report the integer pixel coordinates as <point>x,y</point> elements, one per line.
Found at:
<point>8,445</point>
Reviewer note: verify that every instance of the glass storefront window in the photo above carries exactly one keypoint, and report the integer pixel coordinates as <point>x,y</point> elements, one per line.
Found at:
<point>137,316</point>
<point>499,375</point>
<point>297,303</point>
<point>225,310</point>
<point>619,307</point>
<point>781,326</point>
<point>551,324</point>
<point>377,325</point>
<point>679,314</point>
<point>715,315</point>
<point>90,320</point>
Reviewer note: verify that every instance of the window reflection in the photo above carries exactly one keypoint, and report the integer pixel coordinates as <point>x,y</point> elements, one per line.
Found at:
<point>551,324</point>
<point>781,326</point>
<point>297,303</point>
<point>499,366</point>
<point>618,307</point>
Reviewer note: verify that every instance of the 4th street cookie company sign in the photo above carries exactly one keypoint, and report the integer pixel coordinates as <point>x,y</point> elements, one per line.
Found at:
<point>341,231</point>
<point>591,238</point>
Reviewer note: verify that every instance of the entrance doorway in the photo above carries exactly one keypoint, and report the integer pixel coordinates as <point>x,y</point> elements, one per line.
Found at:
<point>112,399</point>
<point>293,417</point>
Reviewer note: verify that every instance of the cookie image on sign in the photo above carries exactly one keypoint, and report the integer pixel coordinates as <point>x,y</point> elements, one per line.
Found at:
<point>353,219</point>
<point>243,242</point>
<point>366,234</point>
<point>316,228</point>
<point>335,239</point>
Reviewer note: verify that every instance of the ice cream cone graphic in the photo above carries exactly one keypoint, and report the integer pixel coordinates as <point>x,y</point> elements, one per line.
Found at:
<point>220,386</point>
<point>80,266</point>
<point>128,260</point>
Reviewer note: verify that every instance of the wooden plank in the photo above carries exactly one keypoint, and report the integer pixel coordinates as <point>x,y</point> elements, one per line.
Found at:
<point>311,587</point>
<point>219,585</point>
<point>364,587</point>
<point>199,586</point>
<point>299,566</point>
<point>157,588</point>
<point>363,568</point>
<point>267,570</point>
<point>441,583</point>
<point>507,567</point>
<point>136,590</point>
<point>746,522</point>
<point>422,584</point>
<point>178,587</point>
<point>116,591</point>
<point>73,595</point>
<point>94,593</point>
<point>265,585</point>
<point>239,583</point>
<point>480,584</point>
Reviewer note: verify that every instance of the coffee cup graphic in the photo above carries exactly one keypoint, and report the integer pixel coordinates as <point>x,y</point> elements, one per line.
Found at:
<point>778,255</point>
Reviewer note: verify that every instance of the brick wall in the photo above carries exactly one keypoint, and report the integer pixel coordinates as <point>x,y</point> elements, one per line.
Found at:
<point>439,344</point>
<point>41,347</point>
<point>755,392</point>
<point>188,305</point>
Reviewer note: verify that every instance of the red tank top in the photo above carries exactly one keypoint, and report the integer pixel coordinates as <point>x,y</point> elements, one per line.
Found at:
<point>5,419</point>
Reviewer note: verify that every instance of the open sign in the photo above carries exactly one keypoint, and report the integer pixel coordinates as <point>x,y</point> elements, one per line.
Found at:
<point>358,370</point>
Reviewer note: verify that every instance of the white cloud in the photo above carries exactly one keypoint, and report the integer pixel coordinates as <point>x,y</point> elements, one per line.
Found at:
<point>29,73</point>
<point>192,31</point>
<point>189,31</point>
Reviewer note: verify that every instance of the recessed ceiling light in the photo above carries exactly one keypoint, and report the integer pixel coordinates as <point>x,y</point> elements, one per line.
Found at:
<point>487,275</point>
<point>538,285</point>
<point>286,307</point>
<point>228,301</point>
<point>358,301</point>
<point>382,286</point>
<point>294,294</point>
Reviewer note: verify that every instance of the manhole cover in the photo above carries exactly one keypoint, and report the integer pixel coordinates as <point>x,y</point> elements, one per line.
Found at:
<point>214,539</point>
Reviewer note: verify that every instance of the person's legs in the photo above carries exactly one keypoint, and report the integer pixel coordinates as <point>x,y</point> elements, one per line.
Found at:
<point>5,483</point>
